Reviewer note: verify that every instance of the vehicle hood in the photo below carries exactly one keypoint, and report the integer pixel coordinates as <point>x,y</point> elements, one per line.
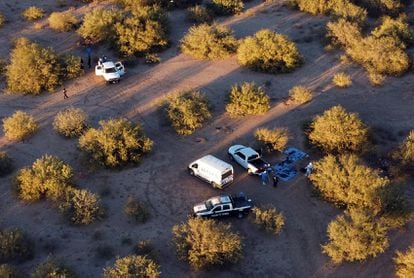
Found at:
<point>200,207</point>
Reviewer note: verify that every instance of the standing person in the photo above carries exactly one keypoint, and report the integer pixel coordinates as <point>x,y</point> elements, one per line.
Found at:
<point>265,177</point>
<point>65,95</point>
<point>309,169</point>
<point>275,180</point>
<point>89,53</point>
<point>81,64</point>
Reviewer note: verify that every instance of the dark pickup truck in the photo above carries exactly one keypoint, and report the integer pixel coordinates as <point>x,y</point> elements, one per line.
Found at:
<point>224,205</point>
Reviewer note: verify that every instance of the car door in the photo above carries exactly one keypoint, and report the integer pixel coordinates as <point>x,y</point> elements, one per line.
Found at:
<point>226,210</point>
<point>120,68</point>
<point>216,211</point>
<point>241,159</point>
<point>98,70</point>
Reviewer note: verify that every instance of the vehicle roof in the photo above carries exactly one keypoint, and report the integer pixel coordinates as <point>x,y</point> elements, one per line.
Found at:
<point>214,162</point>
<point>108,64</point>
<point>247,151</point>
<point>224,199</point>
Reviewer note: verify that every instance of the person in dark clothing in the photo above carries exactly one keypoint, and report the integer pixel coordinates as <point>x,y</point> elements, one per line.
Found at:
<point>275,180</point>
<point>81,64</point>
<point>65,95</point>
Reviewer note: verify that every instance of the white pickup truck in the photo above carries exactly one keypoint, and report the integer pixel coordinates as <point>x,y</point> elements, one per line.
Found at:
<point>248,158</point>
<point>110,71</point>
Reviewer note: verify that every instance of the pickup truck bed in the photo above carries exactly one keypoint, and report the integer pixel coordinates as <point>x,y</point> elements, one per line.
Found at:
<point>259,163</point>
<point>240,202</point>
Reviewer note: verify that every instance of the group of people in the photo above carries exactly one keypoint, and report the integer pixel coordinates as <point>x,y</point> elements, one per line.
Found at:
<point>270,174</point>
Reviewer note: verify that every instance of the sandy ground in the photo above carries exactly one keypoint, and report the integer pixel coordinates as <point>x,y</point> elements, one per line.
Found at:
<point>162,181</point>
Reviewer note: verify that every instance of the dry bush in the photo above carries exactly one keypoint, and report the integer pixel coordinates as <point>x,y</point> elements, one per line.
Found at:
<point>205,242</point>
<point>342,80</point>
<point>71,66</point>
<point>116,142</point>
<point>345,181</point>
<point>199,14</point>
<point>272,139</point>
<point>48,177</point>
<point>269,219</point>
<point>3,67</point>
<point>187,112</point>
<point>405,151</point>
<point>62,21</point>
<point>133,266</point>
<point>300,95</point>
<point>355,236</point>
<point>144,248</point>
<point>70,122</point>
<point>379,7</point>
<point>33,13</point>
<point>6,164</point>
<point>19,126</point>
<point>247,99</point>
<point>98,25</point>
<point>337,130</point>
<point>137,210</point>
<point>226,7</point>
<point>2,20</point>
<point>14,245</point>
<point>82,206</point>
<point>404,263</point>
<point>32,68</point>
<point>8,271</point>
<point>209,42</point>
<point>269,52</point>
<point>395,27</point>
<point>52,269</point>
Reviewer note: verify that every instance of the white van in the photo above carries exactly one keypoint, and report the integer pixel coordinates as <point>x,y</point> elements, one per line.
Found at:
<point>212,170</point>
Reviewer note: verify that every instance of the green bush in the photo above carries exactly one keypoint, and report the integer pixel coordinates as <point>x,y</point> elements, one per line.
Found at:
<point>187,112</point>
<point>117,142</point>
<point>205,242</point>
<point>33,13</point>
<point>82,206</point>
<point>32,68</point>
<point>133,266</point>
<point>226,7</point>
<point>345,181</point>
<point>99,25</point>
<point>19,126</point>
<point>247,99</point>
<point>49,176</point>
<point>6,164</point>
<point>14,245</point>
<point>269,219</point>
<point>397,28</point>
<point>300,95</point>
<point>272,139</point>
<point>137,210</point>
<point>337,130</point>
<point>404,263</point>
<point>8,271</point>
<point>269,52</point>
<point>199,14</point>
<point>342,80</point>
<point>62,21</point>
<point>209,42</point>
<point>52,269</point>
<point>405,151</point>
<point>71,66</point>
<point>2,20</point>
<point>70,122</point>
<point>355,237</point>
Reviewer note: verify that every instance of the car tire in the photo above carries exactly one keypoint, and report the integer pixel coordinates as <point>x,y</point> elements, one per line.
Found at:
<point>191,172</point>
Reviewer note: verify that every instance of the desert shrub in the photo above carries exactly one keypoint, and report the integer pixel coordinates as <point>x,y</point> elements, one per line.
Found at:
<point>98,25</point>
<point>52,269</point>
<point>144,248</point>
<point>272,139</point>
<point>32,68</point>
<point>187,112</point>
<point>338,130</point>
<point>396,211</point>
<point>33,13</point>
<point>6,164</point>
<point>116,142</point>
<point>14,245</point>
<point>62,21</point>
<point>209,42</point>
<point>378,7</point>
<point>71,66</point>
<point>133,266</point>
<point>404,263</point>
<point>269,52</point>
<point>397,28</point>
<point>300,95</point>
<point>344,33</point>
<point>405,151</point>
<point>355,236</point>
<point>49,176</point>
<point>152,58</point>
<point>3,67</point>
<point>19,126</point>
<point>226,7</point>
<point>205,242</point>
<point>345,181</point>
<point>342,80</point>
<point>137,210</point>
<point>82,206</point>
<point>247,99</point>
<point>269,219</point>
<point>2,20</point>
<point>8,271</point>
<point>199,14</point>
<point>70,122</point>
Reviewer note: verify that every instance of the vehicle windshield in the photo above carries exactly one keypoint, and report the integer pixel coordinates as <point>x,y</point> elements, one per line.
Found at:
<point>226,175</point>
<point>253,157</point>
<point>110,70</point>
